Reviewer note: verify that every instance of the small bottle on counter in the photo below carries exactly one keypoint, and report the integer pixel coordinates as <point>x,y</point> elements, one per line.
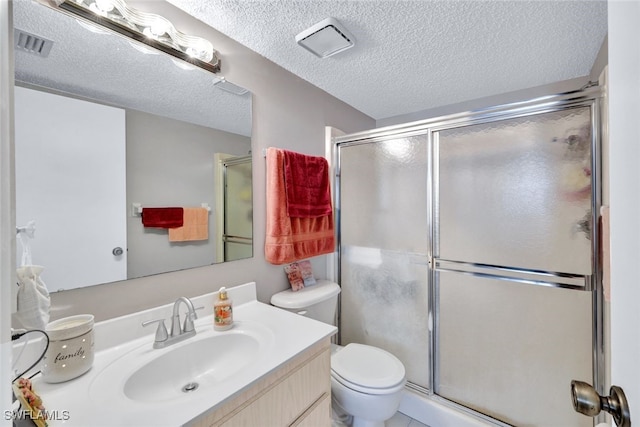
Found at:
<point>222,311</point>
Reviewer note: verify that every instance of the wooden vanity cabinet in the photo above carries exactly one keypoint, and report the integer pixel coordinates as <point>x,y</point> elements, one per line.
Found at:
<point>296,394</point>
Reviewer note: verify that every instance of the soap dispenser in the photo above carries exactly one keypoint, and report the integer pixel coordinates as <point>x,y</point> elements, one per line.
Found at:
<point>222,311</point>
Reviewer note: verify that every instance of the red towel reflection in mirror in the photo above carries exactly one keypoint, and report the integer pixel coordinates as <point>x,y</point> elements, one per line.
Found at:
<point>163,217</point>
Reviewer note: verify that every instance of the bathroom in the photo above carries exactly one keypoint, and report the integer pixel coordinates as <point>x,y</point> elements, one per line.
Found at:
<point>292,114</point>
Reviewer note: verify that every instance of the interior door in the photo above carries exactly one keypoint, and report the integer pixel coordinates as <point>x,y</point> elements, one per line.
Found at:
<point>67,151</point>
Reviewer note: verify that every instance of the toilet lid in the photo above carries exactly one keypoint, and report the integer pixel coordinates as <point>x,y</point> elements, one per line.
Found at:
<point>367,366</point>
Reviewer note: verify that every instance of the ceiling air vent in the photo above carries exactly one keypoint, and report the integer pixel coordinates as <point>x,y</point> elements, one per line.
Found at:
<point>326,38</point>
<point>31,43</point>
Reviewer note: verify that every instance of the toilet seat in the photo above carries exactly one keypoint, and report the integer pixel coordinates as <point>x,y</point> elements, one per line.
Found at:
<point>367,369</point>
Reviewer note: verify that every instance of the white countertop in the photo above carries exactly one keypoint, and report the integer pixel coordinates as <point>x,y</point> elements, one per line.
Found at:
<point>84,402</point>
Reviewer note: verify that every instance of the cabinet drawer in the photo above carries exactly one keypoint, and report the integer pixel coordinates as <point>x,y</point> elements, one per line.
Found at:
<point>285,402</point>
<point>317,416</point>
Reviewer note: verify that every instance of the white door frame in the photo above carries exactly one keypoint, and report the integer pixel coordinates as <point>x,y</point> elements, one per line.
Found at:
<point>624,134</point>
<point>7,208</point>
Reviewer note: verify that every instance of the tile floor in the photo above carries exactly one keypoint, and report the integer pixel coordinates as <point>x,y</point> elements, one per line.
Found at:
<point>401,420</point>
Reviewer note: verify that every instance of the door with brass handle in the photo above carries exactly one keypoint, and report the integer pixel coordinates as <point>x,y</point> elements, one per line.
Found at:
<point>587,401</point>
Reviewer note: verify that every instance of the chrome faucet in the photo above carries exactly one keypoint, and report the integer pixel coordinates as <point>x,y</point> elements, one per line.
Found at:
<point>178,332</point>
<point>176,329</point>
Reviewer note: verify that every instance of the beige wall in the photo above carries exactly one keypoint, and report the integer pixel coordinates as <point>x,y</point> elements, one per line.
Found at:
<point>288,113</point>
<point>489,101</point>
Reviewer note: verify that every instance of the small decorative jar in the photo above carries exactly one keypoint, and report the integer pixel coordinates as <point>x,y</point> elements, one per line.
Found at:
<point>70,352</point>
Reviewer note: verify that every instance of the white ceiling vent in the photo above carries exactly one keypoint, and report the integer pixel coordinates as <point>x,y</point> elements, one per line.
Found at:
<point>31,43</point>
<point>325,38</point>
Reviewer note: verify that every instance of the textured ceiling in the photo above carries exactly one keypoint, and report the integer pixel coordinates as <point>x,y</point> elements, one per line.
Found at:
<point>415,55</point>
<point>107,68</point>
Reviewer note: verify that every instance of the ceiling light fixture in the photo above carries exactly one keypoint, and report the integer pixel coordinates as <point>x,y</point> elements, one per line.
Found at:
<point>326,38</point>
<point>148,28</point>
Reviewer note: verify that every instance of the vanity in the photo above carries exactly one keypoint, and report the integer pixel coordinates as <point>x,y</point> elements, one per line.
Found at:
<point>271,369</point>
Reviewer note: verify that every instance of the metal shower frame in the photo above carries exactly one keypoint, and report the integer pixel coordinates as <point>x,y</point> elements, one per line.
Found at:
<point>586,97</point>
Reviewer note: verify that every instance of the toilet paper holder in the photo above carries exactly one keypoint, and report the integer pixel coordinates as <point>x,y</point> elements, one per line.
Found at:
<point>587,401</point>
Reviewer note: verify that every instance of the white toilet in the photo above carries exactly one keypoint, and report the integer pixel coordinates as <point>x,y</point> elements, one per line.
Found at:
<point>366,381</point>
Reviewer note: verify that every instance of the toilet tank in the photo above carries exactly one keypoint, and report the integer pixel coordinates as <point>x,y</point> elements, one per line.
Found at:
<point>318,301</point>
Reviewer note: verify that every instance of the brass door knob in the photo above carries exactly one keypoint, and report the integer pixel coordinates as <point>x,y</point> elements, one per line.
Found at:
<point>587,401</point>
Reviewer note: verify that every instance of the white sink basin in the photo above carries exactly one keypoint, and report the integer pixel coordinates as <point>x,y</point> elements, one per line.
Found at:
<point>192,367</point>
<point>133,384</point>
<point>186,370</point>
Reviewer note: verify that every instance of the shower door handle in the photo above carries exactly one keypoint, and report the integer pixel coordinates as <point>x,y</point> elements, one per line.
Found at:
<point>587,401</point>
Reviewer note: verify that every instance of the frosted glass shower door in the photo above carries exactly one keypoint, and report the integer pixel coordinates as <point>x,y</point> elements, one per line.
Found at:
<point>384,247</point>
<point>514,265</point>
<point>238,210</point>
<point>517,192</point>
<point>510,350</point>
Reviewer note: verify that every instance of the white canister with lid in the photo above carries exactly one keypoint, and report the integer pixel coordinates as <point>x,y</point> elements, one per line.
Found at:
<point>70,352</point>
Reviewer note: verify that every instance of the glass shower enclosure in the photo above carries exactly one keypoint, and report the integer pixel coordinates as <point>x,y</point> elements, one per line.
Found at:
<point>238,209</point>
<point>467,248</point>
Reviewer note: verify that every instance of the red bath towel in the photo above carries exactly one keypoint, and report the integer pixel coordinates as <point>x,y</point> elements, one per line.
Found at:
<point>290,239</point>
<point>162,217</point>
<point>306,179</point>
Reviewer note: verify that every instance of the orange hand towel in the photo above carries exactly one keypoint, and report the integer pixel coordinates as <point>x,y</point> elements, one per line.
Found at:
<point>290,239</point>
<point>195,227</point>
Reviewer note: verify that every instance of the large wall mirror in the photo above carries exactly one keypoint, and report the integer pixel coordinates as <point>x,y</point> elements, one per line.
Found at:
<point>106,126</point>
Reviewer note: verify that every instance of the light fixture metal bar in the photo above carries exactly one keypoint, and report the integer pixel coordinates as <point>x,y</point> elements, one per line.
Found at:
<point>71,7</point>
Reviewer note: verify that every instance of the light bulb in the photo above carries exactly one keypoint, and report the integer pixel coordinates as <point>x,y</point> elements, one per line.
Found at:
<point>158,28</point>
<point>105,6</point>
<point>193,52</point>
<point>199,50</point>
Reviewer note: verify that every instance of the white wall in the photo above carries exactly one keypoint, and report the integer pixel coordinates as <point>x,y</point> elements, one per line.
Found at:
<point>288,113</point>
<point>624,136</point>
<point>7,211</point>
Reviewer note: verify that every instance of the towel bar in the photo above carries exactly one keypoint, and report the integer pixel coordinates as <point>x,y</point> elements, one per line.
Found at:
<point>136,208</point>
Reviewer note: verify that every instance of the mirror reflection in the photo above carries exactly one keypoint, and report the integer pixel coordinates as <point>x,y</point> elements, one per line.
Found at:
<point>105,126</point>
